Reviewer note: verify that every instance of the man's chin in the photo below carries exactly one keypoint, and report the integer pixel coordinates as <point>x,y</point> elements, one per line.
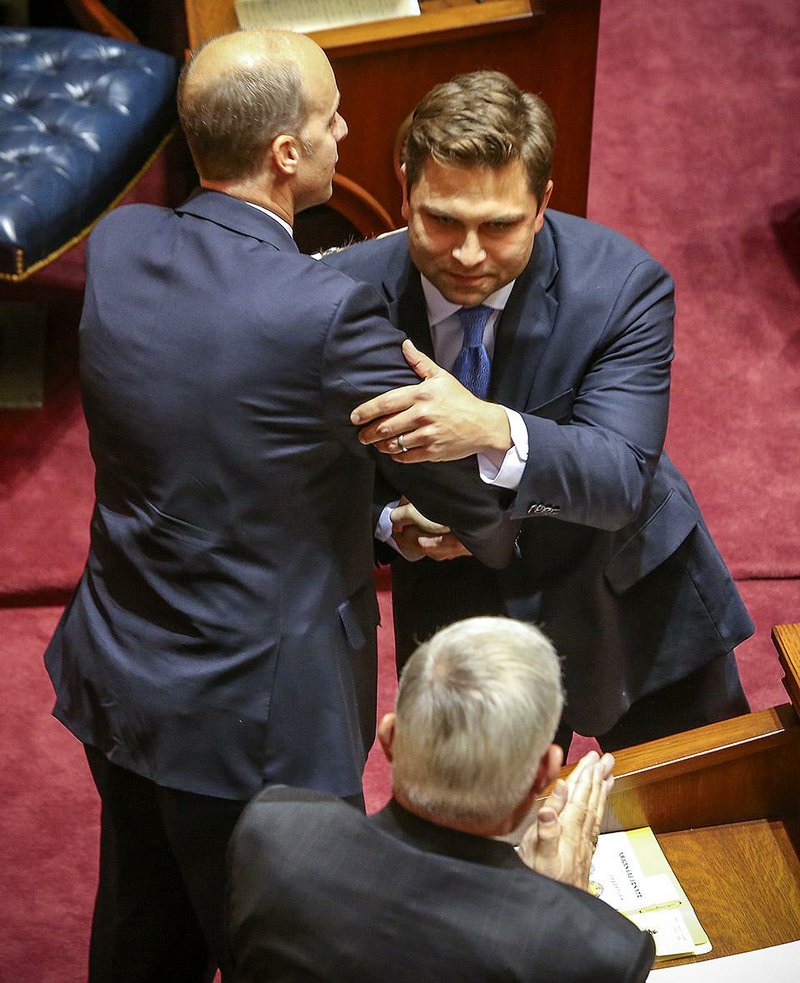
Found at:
<point>466,294</point>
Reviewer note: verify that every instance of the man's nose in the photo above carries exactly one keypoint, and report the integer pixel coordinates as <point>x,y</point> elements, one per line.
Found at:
<point>343,131</point>
<point>470,252</point>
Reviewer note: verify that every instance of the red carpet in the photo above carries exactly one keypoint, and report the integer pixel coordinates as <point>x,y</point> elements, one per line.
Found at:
<point>695,150</point>
<point>695,155</point>
<point>49,833</point>
<point>46,502</point>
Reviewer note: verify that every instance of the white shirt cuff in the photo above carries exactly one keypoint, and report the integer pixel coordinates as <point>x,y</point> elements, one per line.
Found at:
<point>508,473</point>
<point>383,530</point>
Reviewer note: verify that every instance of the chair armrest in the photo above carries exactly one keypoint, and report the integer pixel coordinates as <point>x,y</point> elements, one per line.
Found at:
<point>95,17</point>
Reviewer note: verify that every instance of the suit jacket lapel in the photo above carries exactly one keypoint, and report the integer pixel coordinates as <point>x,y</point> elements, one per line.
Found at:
<point>407,305</point>
<point>525,327</point>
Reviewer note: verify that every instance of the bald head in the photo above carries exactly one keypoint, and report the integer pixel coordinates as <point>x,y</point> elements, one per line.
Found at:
<point>240,91</point>
<point>250,51</point>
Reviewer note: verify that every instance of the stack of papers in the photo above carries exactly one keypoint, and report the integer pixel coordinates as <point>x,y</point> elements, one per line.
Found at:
<point>319,15</point>
<point>630,872</point>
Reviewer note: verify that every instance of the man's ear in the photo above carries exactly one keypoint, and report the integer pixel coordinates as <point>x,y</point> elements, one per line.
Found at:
<point>551,762</point>
<point>285,153</point>
<point>545,201</point>
<point>386,734</point>
<point>404,185</point>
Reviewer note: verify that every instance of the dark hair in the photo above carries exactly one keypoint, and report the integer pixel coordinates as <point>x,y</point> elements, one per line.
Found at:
<point>482,119</point>
<point>231,120</point>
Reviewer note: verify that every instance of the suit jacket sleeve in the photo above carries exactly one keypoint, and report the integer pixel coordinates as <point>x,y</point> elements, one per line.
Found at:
<point>363,358</point>
<point>594,449</point>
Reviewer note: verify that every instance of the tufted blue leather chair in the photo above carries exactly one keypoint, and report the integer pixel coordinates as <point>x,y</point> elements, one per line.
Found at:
<point>80,118</point>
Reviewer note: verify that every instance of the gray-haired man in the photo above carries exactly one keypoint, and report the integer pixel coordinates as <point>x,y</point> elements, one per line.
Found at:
<point>422,890</point>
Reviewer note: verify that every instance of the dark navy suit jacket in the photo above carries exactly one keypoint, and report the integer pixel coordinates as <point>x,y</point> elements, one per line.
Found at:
<point>222,635</point>
<point>317,891</point>
<point>616,563</point>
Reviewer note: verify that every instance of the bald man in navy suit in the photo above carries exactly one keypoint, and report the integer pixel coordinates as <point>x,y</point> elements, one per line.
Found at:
<point>222,636</point>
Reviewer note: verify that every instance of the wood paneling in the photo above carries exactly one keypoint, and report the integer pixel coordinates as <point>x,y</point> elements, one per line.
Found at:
<point>740,769</point>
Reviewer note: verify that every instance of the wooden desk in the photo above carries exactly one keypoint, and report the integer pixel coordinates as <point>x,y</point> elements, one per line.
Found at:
<point>725,803</point>
<point>383,70</point>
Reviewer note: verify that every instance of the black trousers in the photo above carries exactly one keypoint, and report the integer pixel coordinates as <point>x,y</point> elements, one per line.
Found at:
<point>158,914</point>
<point>159,911</point>
<point>711,693</point>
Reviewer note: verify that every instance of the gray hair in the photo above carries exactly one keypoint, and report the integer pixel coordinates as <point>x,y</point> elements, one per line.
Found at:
<point>477,707</point>
<point>231,119</point>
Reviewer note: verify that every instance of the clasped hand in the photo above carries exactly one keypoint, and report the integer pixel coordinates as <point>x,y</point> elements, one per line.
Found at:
<point>562,839</point>
<point>417,536</point>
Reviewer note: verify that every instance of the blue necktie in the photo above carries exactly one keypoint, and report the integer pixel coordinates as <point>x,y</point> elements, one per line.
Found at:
<point>472,367</point>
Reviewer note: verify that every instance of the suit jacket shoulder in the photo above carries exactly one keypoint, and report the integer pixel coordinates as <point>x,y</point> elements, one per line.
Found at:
<point>380,261</point>
<point>589,265</point>
<point>431,903</point>
<point>573,232</point>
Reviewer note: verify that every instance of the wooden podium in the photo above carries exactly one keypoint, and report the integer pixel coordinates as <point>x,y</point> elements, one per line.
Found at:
<point>724,801</point>
<point>384,68</point>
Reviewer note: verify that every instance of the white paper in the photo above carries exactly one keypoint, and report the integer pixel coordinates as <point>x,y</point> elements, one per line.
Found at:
<point>624,884</point>
<point>669,931</point>
<point>630,872</point>
<point>319,15</point>
<point>776,964</point>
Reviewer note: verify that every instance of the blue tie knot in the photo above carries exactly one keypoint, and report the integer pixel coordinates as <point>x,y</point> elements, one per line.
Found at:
<point>473,324</point>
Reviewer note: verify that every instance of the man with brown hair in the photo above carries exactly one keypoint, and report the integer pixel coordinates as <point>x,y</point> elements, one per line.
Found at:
<point>558,333</point>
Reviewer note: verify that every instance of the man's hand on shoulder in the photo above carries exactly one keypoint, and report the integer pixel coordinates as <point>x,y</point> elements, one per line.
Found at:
<point>561,841</point>
<point>437,420</point>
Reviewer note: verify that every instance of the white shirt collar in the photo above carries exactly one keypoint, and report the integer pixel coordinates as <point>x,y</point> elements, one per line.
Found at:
<point>278,219</point>
<point>439,308</point>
